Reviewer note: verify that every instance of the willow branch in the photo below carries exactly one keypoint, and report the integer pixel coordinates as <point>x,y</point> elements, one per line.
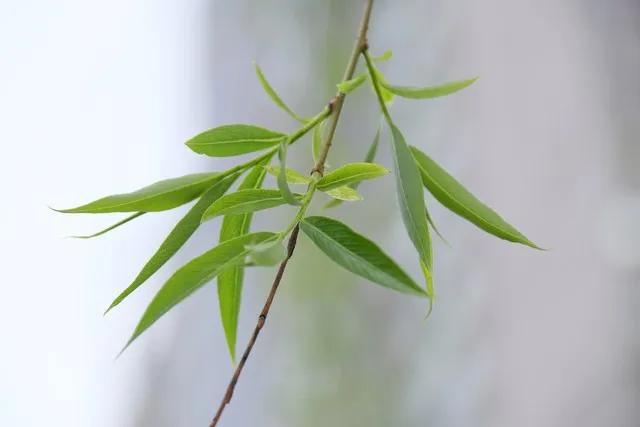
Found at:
<point>335,107</point>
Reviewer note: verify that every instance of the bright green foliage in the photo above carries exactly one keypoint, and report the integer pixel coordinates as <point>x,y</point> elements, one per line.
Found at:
<point>316,142</point>
<point>429,91</point>
<point>161,196</point>
<point>458,199</point>
<point>245,201</point>
<point>196,273</point>
<point>274,96</point>
<point>350,174</point>
<point>349,86</point>
<point>369,158</point>
<point>232,140</point>
<point>357,254</point>
<point>230,280</point>
<point>177,237</point>
<point>238,248</point>
<point>387,55</point>
<point>387,95</point>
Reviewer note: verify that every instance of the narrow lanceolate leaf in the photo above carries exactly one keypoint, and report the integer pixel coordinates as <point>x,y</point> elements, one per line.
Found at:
<point>287,195</point>
<point>349,174</point>
<point>387,55</point>
<point>429,91</point>
<point>293,176</point>
<point>411,196</point>
<point>111,227</point>
<point>458,199</point>
<point>230,280</point>
<point>246,201</point>
<point>369,158</point>
<point>349,86</point>
<point>232,140</point>
<point>357,254</point>
<point>344,194</point>
<point>275,97</point>
<point>177,237</point>
<point>433,226</point>
<point>161,196</point>
<point>195,274</point>
<point>316,142</point>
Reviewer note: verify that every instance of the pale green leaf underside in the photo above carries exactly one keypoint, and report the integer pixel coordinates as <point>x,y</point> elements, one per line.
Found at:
<point>349,174</point>
<point>160,196</point>
<point>293,176</point>
<point>411,196</point>
<point>357,254</point>
<point>111,227</point>
<point>245,201</point>
<point>344,194</point>
<point>230,280</point>
<point>195,274</point>
<point>429,91</point>
<point>177,237</point>
<point>459,200</point>
<point>233,140</point>
<point>274,95</point>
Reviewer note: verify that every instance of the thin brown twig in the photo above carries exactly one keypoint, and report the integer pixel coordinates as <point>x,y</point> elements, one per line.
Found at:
<point>336,108</point>
<point>291,245</point>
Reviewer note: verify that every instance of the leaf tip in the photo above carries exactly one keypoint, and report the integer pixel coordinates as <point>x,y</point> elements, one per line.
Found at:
<point>426,317</point>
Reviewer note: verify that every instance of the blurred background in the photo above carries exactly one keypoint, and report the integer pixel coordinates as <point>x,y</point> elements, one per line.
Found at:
<point>98,98</point>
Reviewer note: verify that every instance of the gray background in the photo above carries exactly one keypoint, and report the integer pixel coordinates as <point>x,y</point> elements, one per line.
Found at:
<point>97,98</point>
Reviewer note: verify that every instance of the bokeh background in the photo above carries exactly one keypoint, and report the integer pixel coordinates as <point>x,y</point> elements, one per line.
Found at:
<point>98,97</point>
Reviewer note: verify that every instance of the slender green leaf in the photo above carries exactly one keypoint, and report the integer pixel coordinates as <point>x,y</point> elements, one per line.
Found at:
<point>245,201</point>
<point>349,86</point>
<point>349,174</point>
<point>232,140</point>
<point>458,199</point>
<point>177,237</point>
<point>195,274</point>
<point>274,95</point>
<point>287,195</point>
<point>387,55</point>
<point>116,225</point>
<point>161,196</point>
<point>411,196</point>
<point>344,193</point>
<point>369,158</point>
<point>433,225</point>
<point>293,176</point>
<point>429,91</point>
<point>316,142</point>
<point>230,280</point>
<point>357,254</point>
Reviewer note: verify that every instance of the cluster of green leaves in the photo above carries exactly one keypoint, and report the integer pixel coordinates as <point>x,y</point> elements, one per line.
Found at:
<point>239,248</point>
